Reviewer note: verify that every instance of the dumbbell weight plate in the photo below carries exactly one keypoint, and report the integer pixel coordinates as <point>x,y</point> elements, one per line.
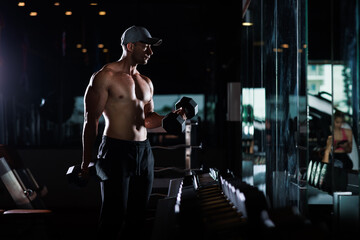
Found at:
<point>317,174</point>
<point>308,174</point>
<point>313,172</point>
<point>322,178</point>
<point>173,123</point>
<point>189,105</point>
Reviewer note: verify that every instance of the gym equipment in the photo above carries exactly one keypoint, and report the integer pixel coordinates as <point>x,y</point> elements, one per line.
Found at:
<point>222,206</point>
<point>323,175</point>
<point>189,105</point>
<point>204,211</point>
<point>332,179</point>
<point>313,172</point>
<point>74,178</point>
<point>308,173</point>
<point>173,123</point>
<point>21,195</point>
<point>19,181</point>
<point>317,174</point>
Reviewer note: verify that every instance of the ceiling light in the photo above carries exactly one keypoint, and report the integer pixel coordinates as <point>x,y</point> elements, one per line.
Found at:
<point>277,50</point>
<point>21,4</point>
<point>33,14</point>
<point>100,45</point>
<point>247,24</point>
<point>68,13</point>
<point>102,13</point>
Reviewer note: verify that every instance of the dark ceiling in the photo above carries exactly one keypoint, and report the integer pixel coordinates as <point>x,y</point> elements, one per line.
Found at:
<point>199,37</point>
<point>192,32</point>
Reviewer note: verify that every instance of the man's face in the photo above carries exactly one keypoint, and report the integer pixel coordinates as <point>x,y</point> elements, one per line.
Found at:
<point>142,52</point>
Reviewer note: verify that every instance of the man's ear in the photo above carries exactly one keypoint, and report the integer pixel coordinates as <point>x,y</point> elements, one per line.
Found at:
<point>130,47</point>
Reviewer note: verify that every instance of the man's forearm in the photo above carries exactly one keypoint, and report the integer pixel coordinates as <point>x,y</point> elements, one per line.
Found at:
<point>153,120</point>
<point>88,140</point>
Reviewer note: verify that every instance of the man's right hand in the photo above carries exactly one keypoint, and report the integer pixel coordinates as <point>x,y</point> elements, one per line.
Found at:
<point>84,170</point>
<point>181,112</point>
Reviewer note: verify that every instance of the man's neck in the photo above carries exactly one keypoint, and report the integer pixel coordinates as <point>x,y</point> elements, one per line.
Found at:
<point>127,65</point>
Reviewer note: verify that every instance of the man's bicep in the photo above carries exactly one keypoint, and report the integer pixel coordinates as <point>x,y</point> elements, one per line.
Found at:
<point>94,102</point>
<point>149,107</point>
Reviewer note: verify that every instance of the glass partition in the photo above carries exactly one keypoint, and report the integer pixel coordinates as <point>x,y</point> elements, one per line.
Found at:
<point>333,100</point>
<point>274,121</point>
<point>299,70</point>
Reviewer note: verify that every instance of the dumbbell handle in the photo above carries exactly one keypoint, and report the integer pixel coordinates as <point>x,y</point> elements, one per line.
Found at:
<point>75,178</point>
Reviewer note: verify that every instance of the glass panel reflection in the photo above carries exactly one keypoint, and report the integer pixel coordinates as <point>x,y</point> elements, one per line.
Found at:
<point>333,100</point>
<point>253,126</point>
<point>274,122</point>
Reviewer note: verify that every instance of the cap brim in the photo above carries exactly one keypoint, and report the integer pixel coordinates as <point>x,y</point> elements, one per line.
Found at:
<point>153,41</point>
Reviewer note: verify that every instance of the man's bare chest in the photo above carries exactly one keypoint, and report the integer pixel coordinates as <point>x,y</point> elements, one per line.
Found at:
<point>130,88</point>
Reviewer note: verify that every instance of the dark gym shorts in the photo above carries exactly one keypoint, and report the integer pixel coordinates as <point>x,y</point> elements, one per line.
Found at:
<point>121,158</point>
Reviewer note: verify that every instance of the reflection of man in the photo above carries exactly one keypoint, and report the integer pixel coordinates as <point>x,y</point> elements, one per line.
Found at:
<point>125,164</point>
<point>342,143</point>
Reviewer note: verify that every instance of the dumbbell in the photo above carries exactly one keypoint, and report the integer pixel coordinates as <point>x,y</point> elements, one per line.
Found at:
<point>308,173</point>
<point>173,122</point>
<point>74,178</point>
<point>317,174</point>
<point>324,179</point>
<point>189,105</point>
<point>313,172</point>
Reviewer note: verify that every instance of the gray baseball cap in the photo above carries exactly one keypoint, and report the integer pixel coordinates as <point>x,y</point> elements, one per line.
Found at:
<point>139,34</point>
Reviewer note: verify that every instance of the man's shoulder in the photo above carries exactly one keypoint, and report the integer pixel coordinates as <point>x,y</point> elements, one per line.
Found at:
<point>101,77</point>
<point>107,69</point>
<point>107,72</point>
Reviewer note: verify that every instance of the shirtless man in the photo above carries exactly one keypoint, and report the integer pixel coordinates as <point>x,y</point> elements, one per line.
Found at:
<point>125,160</point>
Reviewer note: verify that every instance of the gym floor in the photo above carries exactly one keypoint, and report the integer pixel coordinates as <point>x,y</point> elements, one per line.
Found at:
<point>74,211</point>
<point>65,222</point>
<point>61,223</point>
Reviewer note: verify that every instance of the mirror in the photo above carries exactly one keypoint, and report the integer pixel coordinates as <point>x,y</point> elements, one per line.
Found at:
<point>332,93</point>
<point>253,95</point>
